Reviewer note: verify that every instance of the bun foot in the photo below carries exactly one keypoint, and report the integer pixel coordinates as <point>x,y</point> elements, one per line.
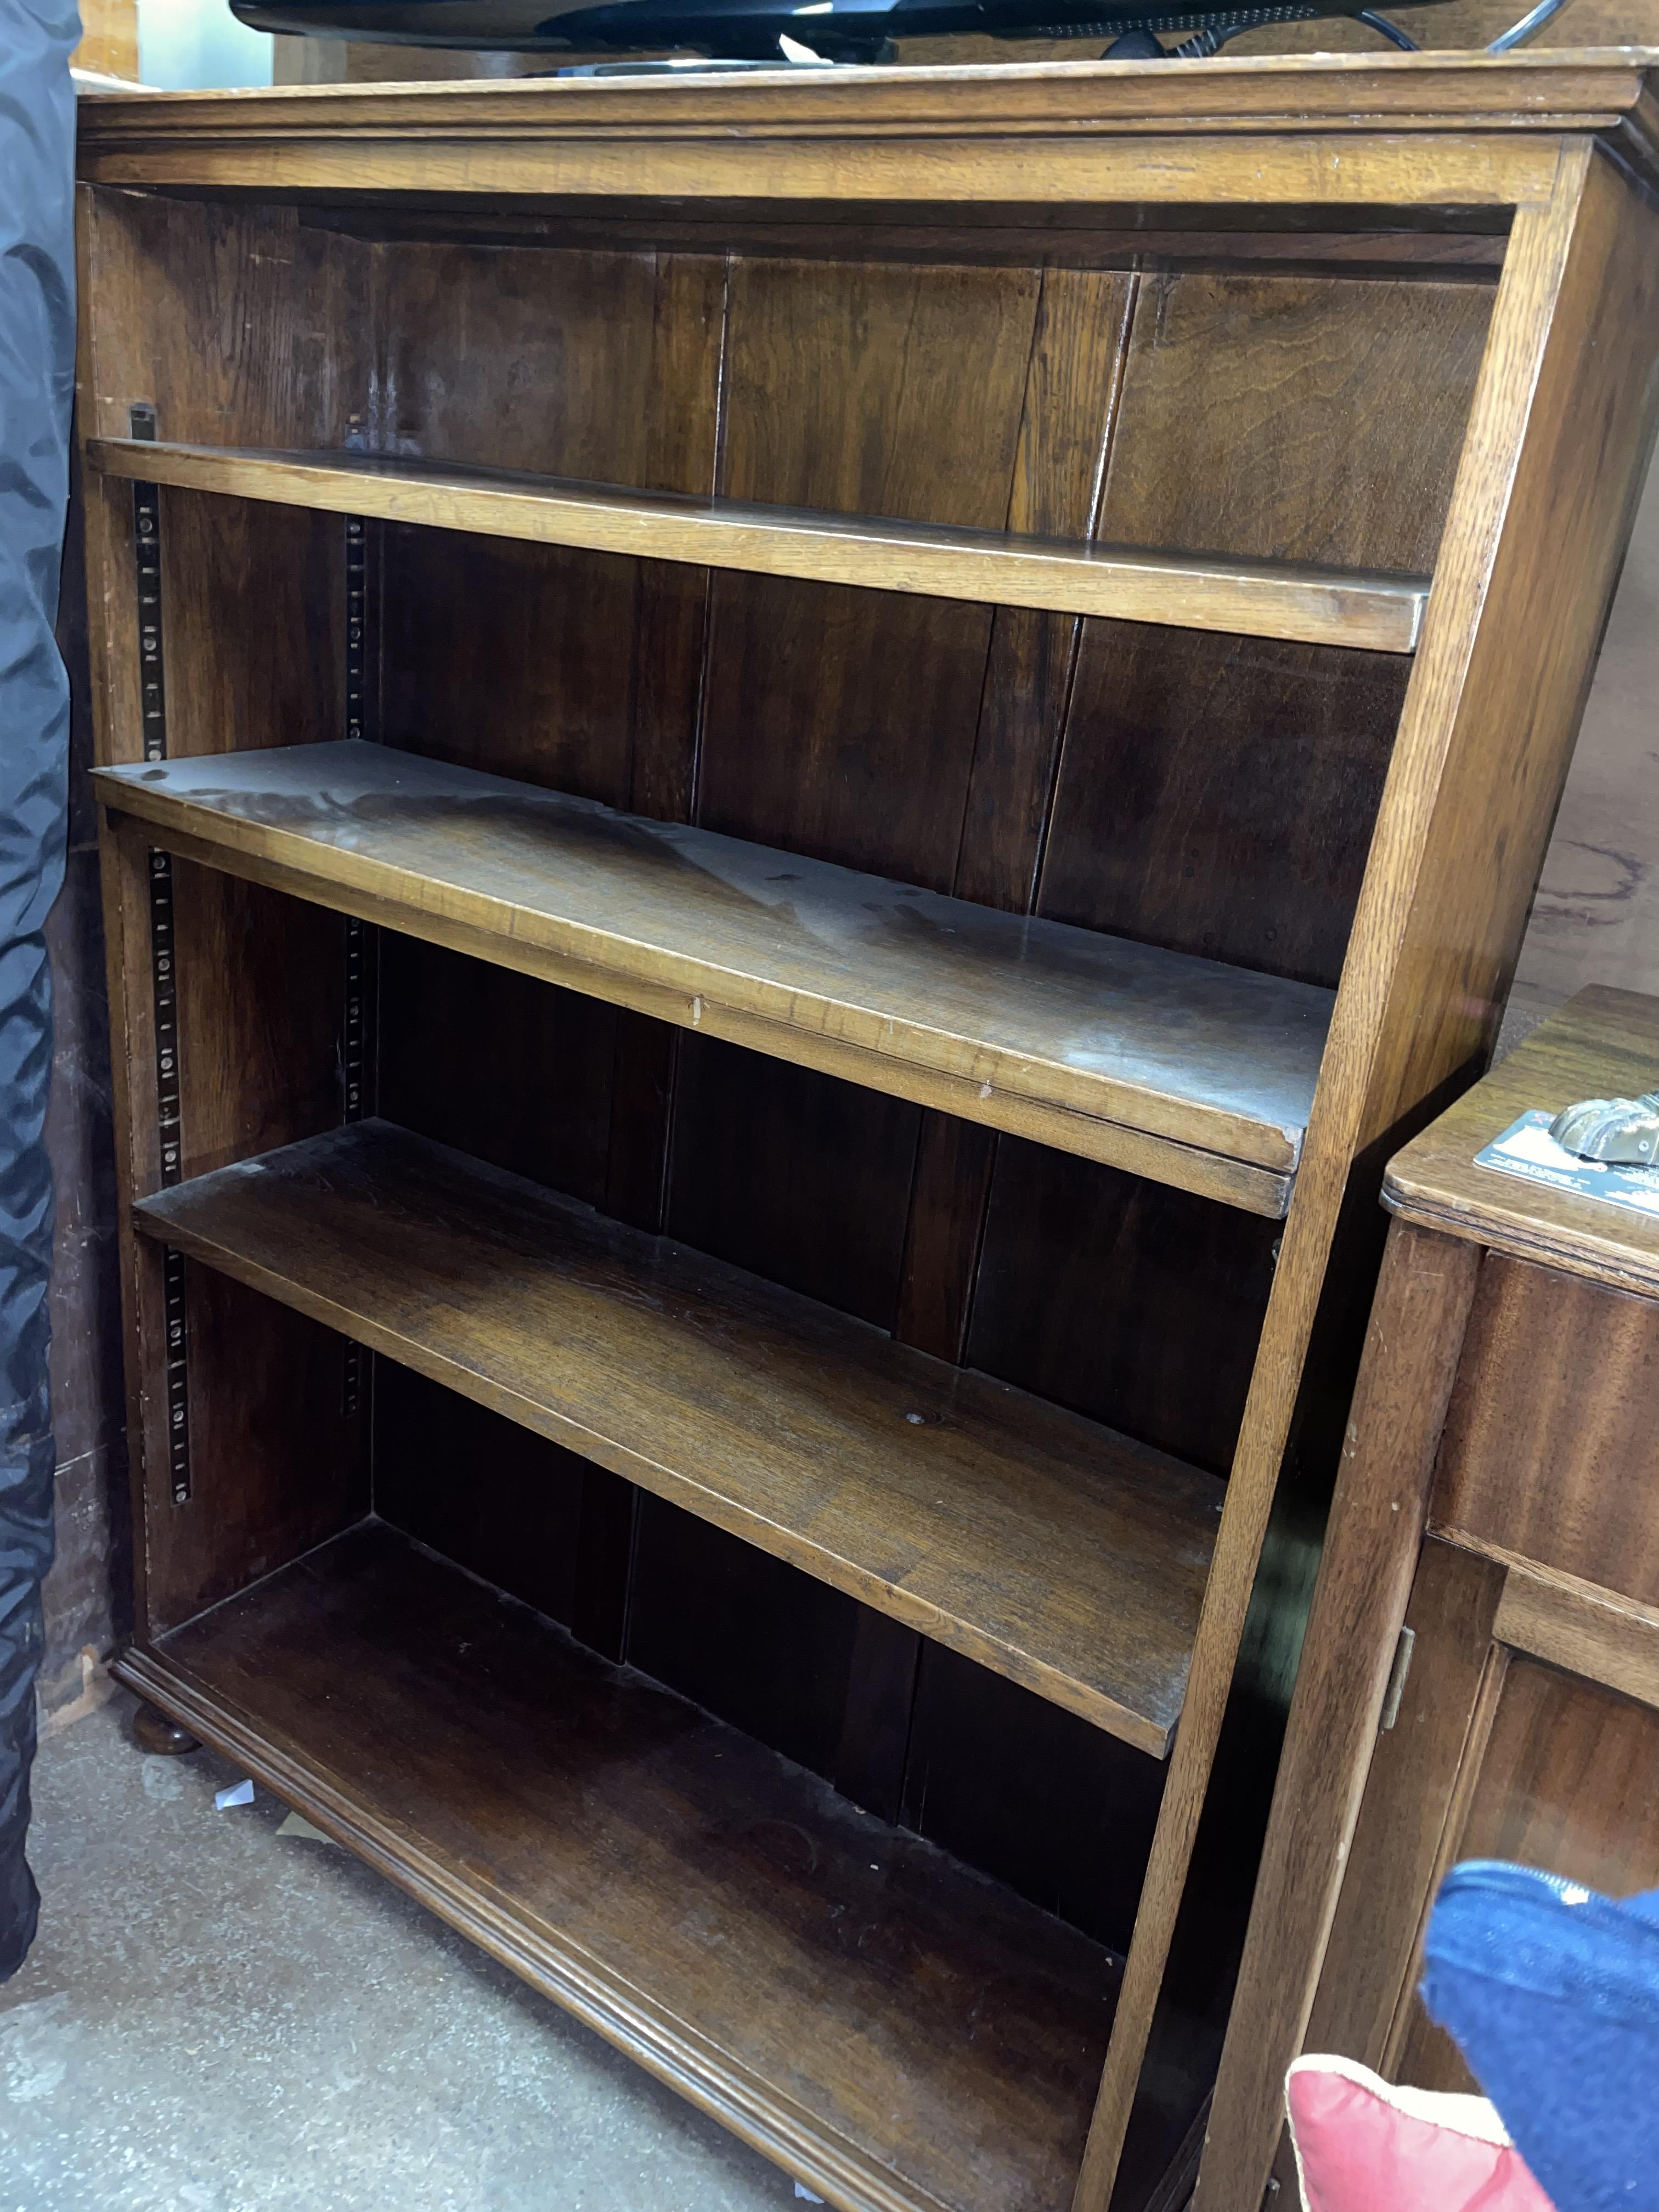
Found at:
<point>155,1732</point>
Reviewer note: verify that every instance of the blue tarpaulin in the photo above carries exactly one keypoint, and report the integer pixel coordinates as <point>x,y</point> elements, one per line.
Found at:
<point>37,379</point>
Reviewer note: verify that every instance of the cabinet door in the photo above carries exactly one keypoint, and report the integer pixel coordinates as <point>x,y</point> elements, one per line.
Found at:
<point>1528,1730</point>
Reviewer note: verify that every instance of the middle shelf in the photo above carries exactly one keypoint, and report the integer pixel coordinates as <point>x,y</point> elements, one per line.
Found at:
<point>1050,1549</point>
<point>1182,1069</point>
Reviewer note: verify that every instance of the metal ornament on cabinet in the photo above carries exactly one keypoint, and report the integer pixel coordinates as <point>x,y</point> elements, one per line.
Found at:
<point>1618,1132</point>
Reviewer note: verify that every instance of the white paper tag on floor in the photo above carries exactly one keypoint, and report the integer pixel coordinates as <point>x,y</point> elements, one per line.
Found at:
<point>801,2189</point>
<point>1527,1150</point>
<point>297,1824</point>
<point>235,1793</point>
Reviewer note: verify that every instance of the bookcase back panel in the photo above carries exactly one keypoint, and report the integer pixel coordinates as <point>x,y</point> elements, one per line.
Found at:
<point>277,1463</point>
<point>1262,414</point>
<point>1216,794</point>
<point>1211,793</point>
<point>254,608</point>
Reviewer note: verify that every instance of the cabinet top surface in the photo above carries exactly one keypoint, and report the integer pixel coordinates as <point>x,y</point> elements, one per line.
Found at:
<point>1557,90</point>
<point>1601,1044</point>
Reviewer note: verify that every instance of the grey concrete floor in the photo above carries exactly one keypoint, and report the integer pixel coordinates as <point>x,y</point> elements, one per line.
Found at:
<point>217,2018</point>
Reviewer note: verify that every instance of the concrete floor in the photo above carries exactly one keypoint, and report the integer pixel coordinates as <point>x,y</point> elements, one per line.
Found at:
<point>217,2018</point>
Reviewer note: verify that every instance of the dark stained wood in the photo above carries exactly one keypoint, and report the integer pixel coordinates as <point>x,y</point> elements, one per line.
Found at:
<point>1602,1043</point>
<point>1282,395</point>
<point>904,294</point>
<point>1383,612</point>
<point>1012,1784</point>
<point>1585,1630</point>
<point>1218,794</point>
<point>1410,1820</point>
<point>513,1070</point>
<point>216,316</point>
<point>274,1467</point>
<point>791,1176</point>
<point>488,1493</point>
<point>1552,1432</point>
<point>1491,714</point>
<point>951,1188</point>
<point>1371,1545</point>
<point>1469,247</point>
<point>884,2025</point>
<point>1570,1781</point>
<point>155,1732</point>
<point>1051,1551</point>
<point>748,1637</point>
<point>854,726</point>
<point>218,559</point>
<point>689,346</point>
<point>261,984</point>
<point>1137,1304</point>
<point>1202,1072</point>
<point>1307,134</point>
<point>1567,1781</point>
<point>872,1755</point>
<point>1064,424</point>
<point>605,1537</point>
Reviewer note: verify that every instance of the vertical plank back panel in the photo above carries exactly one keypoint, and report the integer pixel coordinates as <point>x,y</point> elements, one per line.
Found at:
<point>1263,415</point>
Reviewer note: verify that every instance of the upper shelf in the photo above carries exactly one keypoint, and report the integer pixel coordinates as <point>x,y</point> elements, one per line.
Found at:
<point>1259,598</point>
<point>1193,1073</point>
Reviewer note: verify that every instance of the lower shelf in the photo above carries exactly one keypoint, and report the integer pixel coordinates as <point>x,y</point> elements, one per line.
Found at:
<point>895,2030</point>
<point>1065,1557</point>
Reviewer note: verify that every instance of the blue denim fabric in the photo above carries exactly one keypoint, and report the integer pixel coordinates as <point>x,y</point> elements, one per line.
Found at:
<point>1552,1994</point>
<point>37,381</point>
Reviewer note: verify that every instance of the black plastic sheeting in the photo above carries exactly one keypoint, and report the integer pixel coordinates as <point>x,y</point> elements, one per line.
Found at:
<point>37,383</point>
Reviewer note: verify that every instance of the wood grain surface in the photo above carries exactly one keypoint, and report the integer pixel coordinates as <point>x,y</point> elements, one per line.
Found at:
<point>1564,1780</point>
<point>1411,1815</point>
<point>1585,1630</point>
<point>1242,313</point>
<point>1497,688</point>
<point>1371,1545</point>
<point>1311,129</point>
<point>1601,1044</point>
<point>1051,1551</point>
<point>904,2035</point>
<point>1551,1440</point>
<point>1074,1030</point>
<point>1321,607</point>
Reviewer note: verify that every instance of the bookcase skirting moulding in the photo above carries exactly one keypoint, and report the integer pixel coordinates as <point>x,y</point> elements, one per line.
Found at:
<point>800,775</point>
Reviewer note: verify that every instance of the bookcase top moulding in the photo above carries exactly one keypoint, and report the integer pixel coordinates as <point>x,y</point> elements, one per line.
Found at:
<point>1409,130</point>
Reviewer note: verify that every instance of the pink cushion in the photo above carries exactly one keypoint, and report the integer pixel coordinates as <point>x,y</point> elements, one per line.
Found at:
<point>1363,2145</point>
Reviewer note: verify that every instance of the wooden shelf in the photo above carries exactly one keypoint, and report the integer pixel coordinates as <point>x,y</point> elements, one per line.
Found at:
<point>1180,1069</point>
<point>904,2034</point>
<point>1056,1551</point>
<point>1261,599</point>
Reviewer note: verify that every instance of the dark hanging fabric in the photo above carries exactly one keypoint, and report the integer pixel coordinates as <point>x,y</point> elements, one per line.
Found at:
<point>37,377</point>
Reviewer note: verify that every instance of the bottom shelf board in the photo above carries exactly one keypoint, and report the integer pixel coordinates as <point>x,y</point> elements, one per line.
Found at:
<point>893,2028</point>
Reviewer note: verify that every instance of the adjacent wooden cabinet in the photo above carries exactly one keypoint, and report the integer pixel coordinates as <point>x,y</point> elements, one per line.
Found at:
<point>799,775</point>
<point>1481,1673</point>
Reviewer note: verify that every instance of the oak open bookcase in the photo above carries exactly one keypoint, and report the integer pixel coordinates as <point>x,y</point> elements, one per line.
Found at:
<point>799,776</point>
